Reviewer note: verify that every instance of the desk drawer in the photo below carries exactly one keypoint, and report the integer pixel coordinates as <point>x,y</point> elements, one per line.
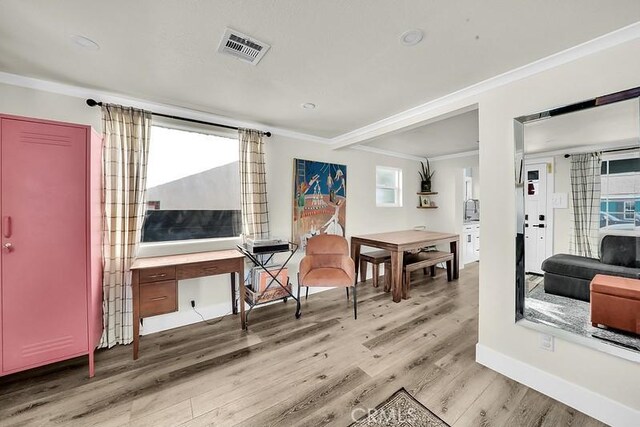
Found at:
<point>158,298</point>
<point>158,274</point>
<point>207,268</point>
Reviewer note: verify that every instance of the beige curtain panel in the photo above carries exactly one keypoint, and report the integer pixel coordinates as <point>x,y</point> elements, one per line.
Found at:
<point>253,184</point>
<point>125,155</point>
<point>585,204</point>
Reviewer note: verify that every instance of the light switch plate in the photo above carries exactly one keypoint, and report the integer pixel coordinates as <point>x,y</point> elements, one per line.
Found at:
<point>559,200</point>
<point>547,342</point>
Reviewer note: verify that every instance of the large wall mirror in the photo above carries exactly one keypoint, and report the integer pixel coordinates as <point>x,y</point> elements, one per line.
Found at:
<point>578,218</point>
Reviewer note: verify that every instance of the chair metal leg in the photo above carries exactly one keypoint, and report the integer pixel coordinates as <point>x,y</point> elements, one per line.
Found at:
<point>298,314</point>
<point>355,303</point>
<point>306,295</point>
<point>347,294</point>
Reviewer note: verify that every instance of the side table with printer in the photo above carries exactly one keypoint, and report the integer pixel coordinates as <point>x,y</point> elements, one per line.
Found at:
<point>268,281</point>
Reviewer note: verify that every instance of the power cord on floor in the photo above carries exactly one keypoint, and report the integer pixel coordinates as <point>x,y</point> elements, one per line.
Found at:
<point>208,322</point>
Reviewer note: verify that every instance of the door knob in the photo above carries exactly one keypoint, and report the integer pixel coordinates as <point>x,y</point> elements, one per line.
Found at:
<point>8,246</point>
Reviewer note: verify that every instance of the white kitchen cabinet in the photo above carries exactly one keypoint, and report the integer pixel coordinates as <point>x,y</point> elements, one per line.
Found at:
<point>471,243</point>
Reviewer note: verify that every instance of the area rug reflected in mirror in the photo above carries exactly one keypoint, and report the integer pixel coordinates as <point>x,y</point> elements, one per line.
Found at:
<point>400,410</point>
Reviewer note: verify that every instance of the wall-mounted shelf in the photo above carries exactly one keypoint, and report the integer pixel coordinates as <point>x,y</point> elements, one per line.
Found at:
<point>426,193</point>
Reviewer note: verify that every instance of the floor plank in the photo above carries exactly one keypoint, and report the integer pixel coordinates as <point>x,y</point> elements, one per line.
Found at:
<point>324,369</point>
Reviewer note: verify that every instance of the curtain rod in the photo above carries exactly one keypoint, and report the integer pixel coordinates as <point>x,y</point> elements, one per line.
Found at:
<point>566,156</point>
<point>94,103</point>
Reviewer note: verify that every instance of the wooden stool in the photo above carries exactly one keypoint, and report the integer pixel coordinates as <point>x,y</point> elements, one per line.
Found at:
<point>417,261</point>
<point>375,258</point>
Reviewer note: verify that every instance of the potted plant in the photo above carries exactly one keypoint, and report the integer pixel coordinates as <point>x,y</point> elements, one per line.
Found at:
<point>425,177</point>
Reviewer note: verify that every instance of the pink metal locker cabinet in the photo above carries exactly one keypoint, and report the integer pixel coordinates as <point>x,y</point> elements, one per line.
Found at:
<point>51,267</point>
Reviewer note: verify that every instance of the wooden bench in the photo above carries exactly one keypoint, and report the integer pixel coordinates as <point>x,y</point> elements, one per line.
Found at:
<point>418,261</point>
<point>375,258</point>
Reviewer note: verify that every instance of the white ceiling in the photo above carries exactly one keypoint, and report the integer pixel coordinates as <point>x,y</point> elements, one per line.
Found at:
<point>453,135</point>
<point>612,125</point>
<point>343,56</point>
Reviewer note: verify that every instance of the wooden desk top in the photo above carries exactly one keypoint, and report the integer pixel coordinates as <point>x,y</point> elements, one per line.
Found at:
<point>164,261</point>
<point>407,237</point>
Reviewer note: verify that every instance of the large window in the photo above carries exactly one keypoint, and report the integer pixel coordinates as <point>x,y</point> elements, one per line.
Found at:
<point>193,186</point>
<point>620,193</point>
<point>388,187</point>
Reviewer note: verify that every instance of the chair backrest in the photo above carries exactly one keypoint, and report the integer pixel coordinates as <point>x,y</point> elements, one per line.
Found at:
<point>327,244</point>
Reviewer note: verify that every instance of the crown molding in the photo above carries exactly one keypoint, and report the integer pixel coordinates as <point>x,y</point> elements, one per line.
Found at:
<point>389,153</point>
<point>157,107</point>
<point>429,109</point>
<point>455,155</point>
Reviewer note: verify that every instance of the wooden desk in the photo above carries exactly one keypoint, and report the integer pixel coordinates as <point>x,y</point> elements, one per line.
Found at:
<point>397,242</point>
<point>155,282</point>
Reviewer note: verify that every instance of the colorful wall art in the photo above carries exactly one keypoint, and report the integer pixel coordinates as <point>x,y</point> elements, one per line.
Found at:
<point>319,199</point>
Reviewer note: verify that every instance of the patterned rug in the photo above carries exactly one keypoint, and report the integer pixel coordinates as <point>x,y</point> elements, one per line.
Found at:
<point>400,410</point>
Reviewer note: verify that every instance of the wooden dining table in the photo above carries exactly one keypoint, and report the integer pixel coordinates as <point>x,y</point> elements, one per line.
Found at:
<point>397,242</point>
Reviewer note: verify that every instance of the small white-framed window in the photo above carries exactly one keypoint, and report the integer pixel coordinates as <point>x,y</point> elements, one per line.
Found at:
<point>388,187</point>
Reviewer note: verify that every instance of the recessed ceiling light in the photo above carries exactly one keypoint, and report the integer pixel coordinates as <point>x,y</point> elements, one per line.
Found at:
<point>411,37</point>
<point>85,42</point>
<point>309,106</point>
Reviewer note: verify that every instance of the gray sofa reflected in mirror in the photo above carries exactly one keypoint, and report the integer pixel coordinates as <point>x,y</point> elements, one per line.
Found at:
<point>570,275</point>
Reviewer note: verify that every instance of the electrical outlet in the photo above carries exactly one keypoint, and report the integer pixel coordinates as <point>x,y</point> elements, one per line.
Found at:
<point>546,342</point>
<point>193,304</point>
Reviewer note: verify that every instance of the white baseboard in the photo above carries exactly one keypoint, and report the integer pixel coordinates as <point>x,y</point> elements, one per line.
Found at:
<point>584,400</point>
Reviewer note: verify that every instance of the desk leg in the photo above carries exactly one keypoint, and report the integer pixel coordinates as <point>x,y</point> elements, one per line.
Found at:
<point>234,306</point>
<point>241,302</point>
<point>355,255</point>
<point>135,284</point>
<point>454,250</point>
<point>396,275</point>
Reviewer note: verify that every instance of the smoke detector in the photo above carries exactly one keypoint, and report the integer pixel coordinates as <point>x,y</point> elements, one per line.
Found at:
<point>242,46</point>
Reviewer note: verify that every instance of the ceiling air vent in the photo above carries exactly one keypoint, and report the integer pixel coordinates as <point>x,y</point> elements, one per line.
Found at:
<point>242,46</point>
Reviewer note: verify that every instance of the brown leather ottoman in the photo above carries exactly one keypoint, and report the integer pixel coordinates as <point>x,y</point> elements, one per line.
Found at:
<point>615,302</point>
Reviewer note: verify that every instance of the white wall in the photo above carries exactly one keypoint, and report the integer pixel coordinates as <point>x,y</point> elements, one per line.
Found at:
<point>213,295</point>
<point>45,105</point>
<point>561,216</point>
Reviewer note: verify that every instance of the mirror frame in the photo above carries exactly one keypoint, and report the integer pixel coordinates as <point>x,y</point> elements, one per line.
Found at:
<point>518,126</point>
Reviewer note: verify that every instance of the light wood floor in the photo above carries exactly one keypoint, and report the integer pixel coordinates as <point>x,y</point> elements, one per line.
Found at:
<point>287,372</point>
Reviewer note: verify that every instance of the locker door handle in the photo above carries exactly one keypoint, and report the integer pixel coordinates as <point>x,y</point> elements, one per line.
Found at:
<point>6,226</point>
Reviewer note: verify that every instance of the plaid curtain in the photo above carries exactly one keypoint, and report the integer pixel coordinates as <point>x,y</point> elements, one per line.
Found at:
<point>125,155</point>
<point>585,207</point>
<point>253,184</point>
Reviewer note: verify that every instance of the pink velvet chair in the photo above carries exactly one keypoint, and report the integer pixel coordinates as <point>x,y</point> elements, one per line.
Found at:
<point>328,264</point>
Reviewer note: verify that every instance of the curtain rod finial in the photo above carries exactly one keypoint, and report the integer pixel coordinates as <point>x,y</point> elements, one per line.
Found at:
<point>268,134</point>
<point>92,102</point>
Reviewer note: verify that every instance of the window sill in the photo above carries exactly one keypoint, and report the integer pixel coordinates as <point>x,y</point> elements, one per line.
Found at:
<point>179,247</point>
